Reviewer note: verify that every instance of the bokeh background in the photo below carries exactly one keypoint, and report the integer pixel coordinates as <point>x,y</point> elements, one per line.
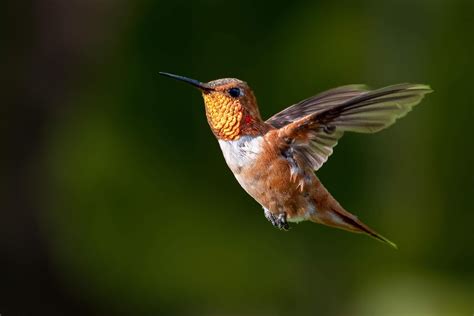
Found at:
<point>115,199</point>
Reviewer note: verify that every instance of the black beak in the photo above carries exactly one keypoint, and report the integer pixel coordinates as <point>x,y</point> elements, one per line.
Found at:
<point>200,85</point>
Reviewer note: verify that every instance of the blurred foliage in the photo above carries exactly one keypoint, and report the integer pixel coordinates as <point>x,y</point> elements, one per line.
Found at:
<point>143,216</point>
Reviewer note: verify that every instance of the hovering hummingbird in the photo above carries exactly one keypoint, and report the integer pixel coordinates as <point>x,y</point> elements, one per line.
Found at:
<point>274,160</point>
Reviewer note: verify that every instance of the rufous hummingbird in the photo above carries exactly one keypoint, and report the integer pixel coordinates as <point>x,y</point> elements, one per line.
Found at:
<point>275,160</point>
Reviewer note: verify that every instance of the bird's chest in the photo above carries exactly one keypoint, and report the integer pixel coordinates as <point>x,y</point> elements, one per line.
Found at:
<point>242,153</point>
<point>246,158</point>
<point>256,166</point>
<point>271,177</point>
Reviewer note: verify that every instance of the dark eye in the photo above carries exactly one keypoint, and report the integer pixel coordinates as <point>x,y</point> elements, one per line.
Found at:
<point>235,92</point>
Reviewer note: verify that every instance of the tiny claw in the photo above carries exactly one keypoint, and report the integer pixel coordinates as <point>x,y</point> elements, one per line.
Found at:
<point>278,221</point>
<point>282,222</point>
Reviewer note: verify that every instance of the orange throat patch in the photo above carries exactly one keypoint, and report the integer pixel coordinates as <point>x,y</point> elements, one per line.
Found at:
<point>224,115</point>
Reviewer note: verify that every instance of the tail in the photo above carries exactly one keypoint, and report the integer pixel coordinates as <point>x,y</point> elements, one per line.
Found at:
<point>330,213</point>
<point>351,223</point>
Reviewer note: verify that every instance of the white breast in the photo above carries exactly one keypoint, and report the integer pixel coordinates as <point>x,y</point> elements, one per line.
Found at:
<point>241,152</point>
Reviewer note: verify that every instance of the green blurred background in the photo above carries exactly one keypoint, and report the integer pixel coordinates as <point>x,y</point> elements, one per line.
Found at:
<point>116,199</point>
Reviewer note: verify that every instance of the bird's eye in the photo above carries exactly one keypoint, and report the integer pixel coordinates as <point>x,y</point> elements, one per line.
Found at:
<point>235,92</point>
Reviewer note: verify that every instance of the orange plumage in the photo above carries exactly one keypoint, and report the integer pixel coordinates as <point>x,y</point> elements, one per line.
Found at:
<point>274,160</point>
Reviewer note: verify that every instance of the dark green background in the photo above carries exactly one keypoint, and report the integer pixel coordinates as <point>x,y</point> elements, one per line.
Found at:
<point>117,199</point>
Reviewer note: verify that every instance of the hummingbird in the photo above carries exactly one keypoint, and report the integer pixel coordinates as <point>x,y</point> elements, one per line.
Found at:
<point>275,160</point>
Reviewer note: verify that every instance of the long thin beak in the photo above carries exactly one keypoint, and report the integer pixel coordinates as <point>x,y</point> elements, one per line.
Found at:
<point>196,83</point>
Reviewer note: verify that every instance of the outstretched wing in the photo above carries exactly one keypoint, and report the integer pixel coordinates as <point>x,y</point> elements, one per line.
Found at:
<point>316,104</point>
<point>315,125</point>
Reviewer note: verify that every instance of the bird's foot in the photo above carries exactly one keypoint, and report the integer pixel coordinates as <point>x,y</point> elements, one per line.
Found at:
<point>278,221</point>
<point>281,221</point>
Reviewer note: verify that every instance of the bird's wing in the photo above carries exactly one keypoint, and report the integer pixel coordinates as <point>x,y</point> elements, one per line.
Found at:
<point>316,104</point>
<point>323,119</point>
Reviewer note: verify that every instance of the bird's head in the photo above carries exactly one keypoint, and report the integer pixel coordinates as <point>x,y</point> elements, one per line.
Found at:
<point>231,107</point>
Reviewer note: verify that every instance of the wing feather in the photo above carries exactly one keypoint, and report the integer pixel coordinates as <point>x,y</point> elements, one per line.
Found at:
<point>316,124</point>
<point>317,103</point>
